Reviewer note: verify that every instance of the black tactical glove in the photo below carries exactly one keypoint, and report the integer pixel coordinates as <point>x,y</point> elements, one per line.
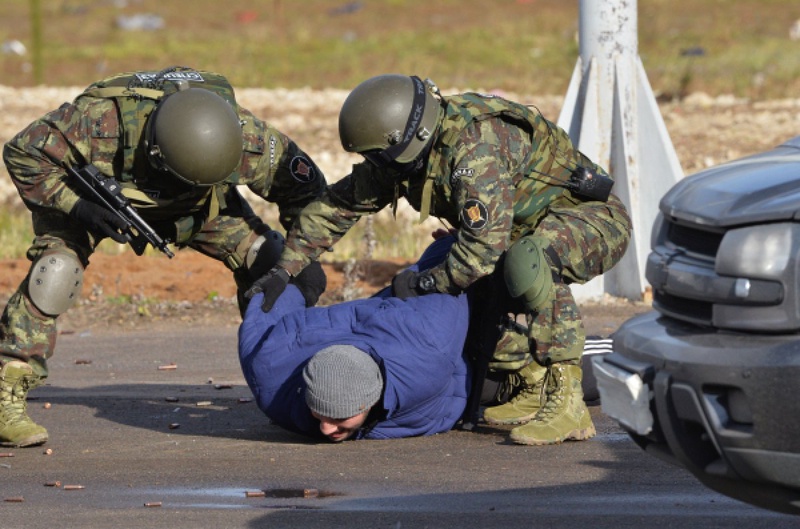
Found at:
<point>311,282</point>
<point>100,221</point>
<point>272,285</point>
<point>410,284</point>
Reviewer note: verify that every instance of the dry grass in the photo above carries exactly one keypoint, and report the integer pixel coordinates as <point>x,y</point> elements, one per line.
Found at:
<point>525,46</point>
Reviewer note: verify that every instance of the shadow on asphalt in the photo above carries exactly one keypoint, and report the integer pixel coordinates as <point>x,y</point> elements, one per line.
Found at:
<point>181,410</point>
<point>630,489</point>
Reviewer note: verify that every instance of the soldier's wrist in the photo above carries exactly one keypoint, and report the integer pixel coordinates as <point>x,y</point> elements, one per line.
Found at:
<point>65,201</point>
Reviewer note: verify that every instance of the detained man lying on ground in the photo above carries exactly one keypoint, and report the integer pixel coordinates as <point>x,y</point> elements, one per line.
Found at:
<point>374,368</point>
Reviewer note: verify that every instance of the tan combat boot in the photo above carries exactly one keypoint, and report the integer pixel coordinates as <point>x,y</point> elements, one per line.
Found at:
<point>563,415</point>
<point>524,406</point>
<point>16,428</point>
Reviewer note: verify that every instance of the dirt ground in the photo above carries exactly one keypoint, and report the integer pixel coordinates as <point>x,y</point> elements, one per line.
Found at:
<point>190,290</point>
<point>130,291</point>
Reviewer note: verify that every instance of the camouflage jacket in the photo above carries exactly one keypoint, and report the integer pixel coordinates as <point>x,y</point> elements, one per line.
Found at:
<point>104,126</point>
<point>494,169</point>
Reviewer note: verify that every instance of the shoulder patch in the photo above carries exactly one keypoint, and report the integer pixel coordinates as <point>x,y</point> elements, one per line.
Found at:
<point>460,173</point>
<point>302,170</point>
<point>474,215</point>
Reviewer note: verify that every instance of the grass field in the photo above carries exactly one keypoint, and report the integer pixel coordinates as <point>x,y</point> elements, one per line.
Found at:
<point>739,47</point>
<point>524,46</point>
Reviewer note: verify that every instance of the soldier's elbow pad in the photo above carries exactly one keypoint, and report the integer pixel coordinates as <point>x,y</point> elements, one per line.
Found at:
<point>263,254</point>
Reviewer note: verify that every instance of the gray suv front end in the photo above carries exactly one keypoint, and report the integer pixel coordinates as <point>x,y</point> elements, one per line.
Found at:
<point>711,378</point>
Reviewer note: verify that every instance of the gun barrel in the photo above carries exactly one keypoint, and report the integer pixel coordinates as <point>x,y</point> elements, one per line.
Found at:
<point>147,232</point>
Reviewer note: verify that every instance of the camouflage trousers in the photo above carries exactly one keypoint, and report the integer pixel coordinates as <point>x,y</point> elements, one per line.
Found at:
<point>589,239</point>
<point>29,335</point>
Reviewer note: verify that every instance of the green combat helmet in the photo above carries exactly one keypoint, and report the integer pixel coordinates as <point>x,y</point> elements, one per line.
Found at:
<point>389,119</point>
<point>195,135</point>
<point>527,272</point>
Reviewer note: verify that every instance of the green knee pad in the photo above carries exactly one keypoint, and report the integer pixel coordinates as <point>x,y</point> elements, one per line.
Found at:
<point>527,273</point>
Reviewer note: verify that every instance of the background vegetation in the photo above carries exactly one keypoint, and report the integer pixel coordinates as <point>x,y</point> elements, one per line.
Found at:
<point>741,47</point>
<point>747,48</point>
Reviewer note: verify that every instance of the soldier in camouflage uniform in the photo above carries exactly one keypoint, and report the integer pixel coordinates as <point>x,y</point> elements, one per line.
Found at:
<point>178,144</point>
<point>531,215</point>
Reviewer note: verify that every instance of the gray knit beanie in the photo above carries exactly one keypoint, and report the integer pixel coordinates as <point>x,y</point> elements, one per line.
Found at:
<point>342,381</point>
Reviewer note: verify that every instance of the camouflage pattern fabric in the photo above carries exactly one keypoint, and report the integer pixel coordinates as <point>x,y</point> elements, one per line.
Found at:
<point>216,221</point>
<point>589,238</point>
<point>497,171</point>
<point>513,351</point>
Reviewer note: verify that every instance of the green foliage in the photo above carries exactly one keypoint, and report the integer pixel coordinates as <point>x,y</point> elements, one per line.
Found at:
<point>390,238</point>
<point>120,300</point>
<point>528,47</point>
<point>16,232</point>
<point>515,45</point>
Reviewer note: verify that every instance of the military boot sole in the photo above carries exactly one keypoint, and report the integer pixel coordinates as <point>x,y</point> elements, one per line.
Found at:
<point>524,419</point>
<point>578,434</point>
<point>32,440</point>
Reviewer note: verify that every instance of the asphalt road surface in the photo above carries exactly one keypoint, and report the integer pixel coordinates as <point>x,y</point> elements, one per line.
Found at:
<point>153,428</point>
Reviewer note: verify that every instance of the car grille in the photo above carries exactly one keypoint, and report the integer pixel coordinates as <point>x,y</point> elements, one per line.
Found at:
<point>693,240</point>
<point>682,268</point>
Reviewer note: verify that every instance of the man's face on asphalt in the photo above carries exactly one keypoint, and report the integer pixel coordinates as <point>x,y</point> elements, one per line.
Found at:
<point>338,430</point>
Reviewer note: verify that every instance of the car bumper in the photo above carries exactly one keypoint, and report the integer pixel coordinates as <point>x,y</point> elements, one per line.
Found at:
<point>723,405</point>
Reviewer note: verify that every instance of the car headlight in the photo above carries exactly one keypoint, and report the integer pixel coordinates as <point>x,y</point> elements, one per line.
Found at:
<point>761,261</point>
<point>757,252</point>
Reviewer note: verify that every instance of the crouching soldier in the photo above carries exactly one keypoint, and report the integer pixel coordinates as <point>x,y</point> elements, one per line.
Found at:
<point>525,204</point>
<point>177,144</point>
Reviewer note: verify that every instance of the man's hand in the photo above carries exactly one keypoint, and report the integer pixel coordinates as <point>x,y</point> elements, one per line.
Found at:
<point>410,284</point>
<point>272,284</point>
<point>100,221</point>
<point>311,282</point>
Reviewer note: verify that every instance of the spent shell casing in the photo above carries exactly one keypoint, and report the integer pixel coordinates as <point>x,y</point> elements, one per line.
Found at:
<point>74,487</point>
<point>152,504</point>
<point>255,494</point>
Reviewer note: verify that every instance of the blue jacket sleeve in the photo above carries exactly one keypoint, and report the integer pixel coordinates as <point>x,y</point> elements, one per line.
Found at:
<point>257,324</point>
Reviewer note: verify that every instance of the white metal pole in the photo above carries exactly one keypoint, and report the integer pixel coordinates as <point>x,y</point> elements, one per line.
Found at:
<point>610,112</point>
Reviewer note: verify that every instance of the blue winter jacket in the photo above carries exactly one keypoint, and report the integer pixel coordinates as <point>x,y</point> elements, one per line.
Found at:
<point>418,343</point>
